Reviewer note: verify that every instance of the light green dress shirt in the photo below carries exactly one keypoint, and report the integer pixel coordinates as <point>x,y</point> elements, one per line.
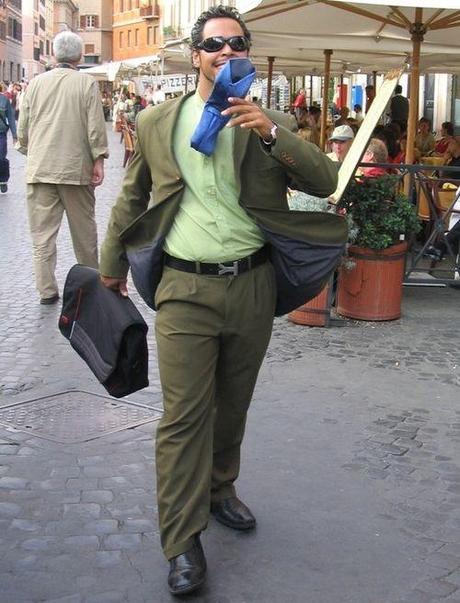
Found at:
<point>210,225</point>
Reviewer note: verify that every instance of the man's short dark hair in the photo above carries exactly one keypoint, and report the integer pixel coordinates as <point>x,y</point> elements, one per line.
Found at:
<point>398,89</point>
<point>216,12</point>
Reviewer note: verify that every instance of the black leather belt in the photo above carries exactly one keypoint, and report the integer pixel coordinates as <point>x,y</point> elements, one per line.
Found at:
<point>221,268</point>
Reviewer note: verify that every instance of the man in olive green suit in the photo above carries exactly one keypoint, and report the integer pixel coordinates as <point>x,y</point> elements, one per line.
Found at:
<point>199,256</point>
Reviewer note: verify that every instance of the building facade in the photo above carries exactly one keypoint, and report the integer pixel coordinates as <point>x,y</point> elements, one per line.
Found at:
<point>3,29</point>
<point>95,28</point>
<point>37,35</point>
<point>11,40</point>
<point>64,16</point>
<point>136,28</point>
<point>180,15</point>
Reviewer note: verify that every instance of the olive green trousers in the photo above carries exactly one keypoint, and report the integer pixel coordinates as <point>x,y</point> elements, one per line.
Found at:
<point>212,334</point>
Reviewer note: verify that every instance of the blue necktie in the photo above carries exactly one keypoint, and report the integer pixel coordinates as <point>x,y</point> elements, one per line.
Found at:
<point>234,79</point>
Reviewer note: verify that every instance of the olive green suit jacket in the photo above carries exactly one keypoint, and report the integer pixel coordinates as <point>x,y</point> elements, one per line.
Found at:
<point>153,186</point>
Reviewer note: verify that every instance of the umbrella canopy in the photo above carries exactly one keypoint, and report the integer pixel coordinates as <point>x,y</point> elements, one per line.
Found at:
<point>364,27</point>
<point>119,69</point>
<point>365,36</point>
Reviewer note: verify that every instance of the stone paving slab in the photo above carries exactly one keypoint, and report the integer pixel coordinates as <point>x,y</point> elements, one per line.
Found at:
<point>351,460</point>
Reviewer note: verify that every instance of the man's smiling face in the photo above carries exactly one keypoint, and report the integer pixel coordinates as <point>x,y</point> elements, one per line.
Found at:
<point>210,63</point>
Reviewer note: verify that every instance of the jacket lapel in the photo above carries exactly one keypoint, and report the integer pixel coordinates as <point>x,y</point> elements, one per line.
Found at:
<point>171,180</point>
<point>240,144</point>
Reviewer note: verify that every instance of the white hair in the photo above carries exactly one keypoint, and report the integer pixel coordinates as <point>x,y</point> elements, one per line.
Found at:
<point>67,47</point>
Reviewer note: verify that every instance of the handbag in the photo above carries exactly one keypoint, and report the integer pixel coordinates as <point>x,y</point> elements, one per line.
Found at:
<point>106,330</point>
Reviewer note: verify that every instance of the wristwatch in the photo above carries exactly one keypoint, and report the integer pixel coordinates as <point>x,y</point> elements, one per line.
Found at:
<point>273,133</point>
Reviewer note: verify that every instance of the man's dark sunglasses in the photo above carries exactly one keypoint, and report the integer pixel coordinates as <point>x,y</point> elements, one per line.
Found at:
<point>216,43</point>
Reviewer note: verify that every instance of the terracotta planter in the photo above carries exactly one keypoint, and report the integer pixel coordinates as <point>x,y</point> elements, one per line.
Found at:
<point>315,313</point>
<point>372,289</point>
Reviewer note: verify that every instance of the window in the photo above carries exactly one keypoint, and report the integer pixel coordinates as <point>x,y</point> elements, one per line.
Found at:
<point>42,23</point>
<point>129,38</point>
<point>2,30</point>
<point>14,29</point>
<point>47,47</point>
<point>92,59</point>
<point>149,36</point>
<point>121,39</point>
<point>91,21</point>
<point>89,49</point>
<point>136,37</point>
<point>36,54</point>
<point>41,47</point>
<point>121,6</point>
<point>36,28</point>
<point>155,34</point>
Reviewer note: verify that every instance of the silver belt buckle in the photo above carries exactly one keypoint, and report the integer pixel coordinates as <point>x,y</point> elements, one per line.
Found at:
<point>228,269</point>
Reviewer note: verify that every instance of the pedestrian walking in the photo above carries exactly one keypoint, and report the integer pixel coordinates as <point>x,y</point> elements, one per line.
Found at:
<point>204,243</point>
<point>399,108</point>
<point>7,122</point>
<point>62,132</point>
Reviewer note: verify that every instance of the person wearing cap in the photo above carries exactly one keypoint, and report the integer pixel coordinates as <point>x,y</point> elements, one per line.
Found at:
<point>341,141</point>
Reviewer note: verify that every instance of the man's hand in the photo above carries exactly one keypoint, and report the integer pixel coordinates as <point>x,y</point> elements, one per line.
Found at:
<point>247,114</point>
<point>98,172</point>
<point>117,284</point>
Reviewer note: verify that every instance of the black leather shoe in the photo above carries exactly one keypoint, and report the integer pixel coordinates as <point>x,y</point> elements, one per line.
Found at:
<point>187,571</point>
<point>233,513</point>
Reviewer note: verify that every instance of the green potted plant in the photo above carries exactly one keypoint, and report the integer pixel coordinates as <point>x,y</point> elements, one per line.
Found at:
<point>370,283</point>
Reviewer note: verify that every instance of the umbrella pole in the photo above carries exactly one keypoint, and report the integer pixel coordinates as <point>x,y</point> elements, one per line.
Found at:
<point>327,75</point>
<point>417,30</point>
<point>270,60</point>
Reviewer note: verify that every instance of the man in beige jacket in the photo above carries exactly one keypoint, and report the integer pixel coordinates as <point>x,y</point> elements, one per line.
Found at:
<point>62,131</point>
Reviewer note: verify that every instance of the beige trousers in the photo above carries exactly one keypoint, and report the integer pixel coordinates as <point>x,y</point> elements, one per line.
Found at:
<point>212,334</point>
<point>46,204</point>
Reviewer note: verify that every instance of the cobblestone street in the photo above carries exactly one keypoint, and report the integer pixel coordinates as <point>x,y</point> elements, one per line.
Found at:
<point>351,461</point>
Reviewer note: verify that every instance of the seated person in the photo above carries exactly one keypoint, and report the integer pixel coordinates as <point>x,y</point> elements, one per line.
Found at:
<point>354,125</point>
<point>401,156</point>
<point>358,113</point>
<point>447,133</point>
<point>452,159</point>
<point>341,141</point>
<point>313,118</point>
<point>438,251</point>
<point>343,116</point>
<point>376,152</point>
<point>452,155</point>
<point>389,135</point>
<point>424,141</point>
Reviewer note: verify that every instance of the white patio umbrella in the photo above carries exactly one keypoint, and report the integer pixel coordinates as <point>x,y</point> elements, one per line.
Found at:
<point>111,70</point>
<point>360,31</point>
